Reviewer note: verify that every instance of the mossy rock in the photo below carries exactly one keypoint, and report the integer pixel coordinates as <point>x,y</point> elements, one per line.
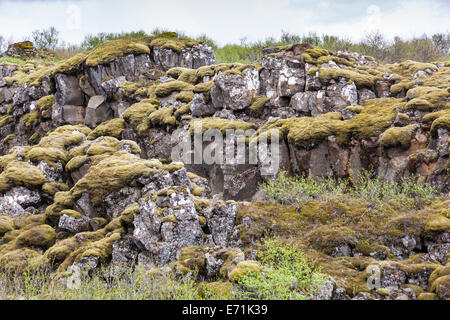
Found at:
<point>360,80</point>
<point>165,89</point>
<point>19,173</point>
<point>45,102</point>
<point>6,224</point>
<point>20,260</point>
<point>42,236</point>
<point>258,104</point>
<point>244,268</point>
<point>398,136</point>
<point>437,223</point>
<point>113,128</point>
<point>220,124</point>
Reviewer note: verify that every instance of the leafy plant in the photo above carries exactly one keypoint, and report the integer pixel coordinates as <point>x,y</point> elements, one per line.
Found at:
<point>286,274</point>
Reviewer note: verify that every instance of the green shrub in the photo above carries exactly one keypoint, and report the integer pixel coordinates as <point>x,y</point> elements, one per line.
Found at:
<point>411,192</point>
<point>286,275</point>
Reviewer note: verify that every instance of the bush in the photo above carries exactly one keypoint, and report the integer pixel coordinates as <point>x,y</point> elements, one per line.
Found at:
<point>408,192</point>
<point>286,275</point>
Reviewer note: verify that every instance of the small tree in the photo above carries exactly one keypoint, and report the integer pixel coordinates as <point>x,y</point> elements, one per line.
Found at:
<point>45,38</point>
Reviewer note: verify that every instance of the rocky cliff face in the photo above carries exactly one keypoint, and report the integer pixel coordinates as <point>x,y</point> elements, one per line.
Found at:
<point>86,176</point>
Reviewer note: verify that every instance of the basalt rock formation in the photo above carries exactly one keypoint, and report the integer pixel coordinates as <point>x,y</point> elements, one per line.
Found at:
<point>86,175</point>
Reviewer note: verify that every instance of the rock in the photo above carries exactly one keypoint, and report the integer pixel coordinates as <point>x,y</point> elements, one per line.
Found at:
<point>11,208</point>
<point>200,108</point>
<point>23,196</point>
<point>73,225</point>
<point>97,111</point>
<point>282,76</point>
<point>68,91</point>
<point>72,114</point>
<point>235,91</point>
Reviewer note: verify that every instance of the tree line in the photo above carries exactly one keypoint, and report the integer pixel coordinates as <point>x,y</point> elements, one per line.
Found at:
<point>424,48</point>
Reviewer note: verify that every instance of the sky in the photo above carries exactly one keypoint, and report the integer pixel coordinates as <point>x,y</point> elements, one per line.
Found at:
<point>226,21</point>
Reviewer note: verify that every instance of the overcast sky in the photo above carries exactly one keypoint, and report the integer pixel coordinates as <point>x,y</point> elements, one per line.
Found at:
<point>226,20</point>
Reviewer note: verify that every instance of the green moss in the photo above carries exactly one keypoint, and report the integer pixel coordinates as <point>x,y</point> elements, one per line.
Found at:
<point>162,117</point>
<point>111,50</point>
<point>360,80</point>
<point>427,99</point>
<point>31,119</point>
<point>170,218</point>
<point>439,119</point>
<point>72,213</point>
<point>51,188</point>
<point>437,223</point>
<point>183,110</point>
<point>185,96</point>
<point>258,105</point>
<point>61,250</point>
<point>34,139</point>
<point>217,290</point>
<point>317,52</point>
<point>115,172</point>
<point>398,136</point>
<point>129,88</point>
<point>20,260</point>
<point>410,67</point>
<point>8,138</point>
<point>165,89</point>
<point>19,173</point>
<point>52,156</point>
<point>427,296</point>
<point>45,102</point>
<point>4,120</point>
<point>203,87</point>
<point>326,238</point>
<point>175,44</point>
<point>244,268</point>
<point>6,225</point>
<point>113,128</point>
<point>403,85</point>
<point>42,236</point>
<point>138,112</point>
<point>338,60</point>
<point>220,124</point>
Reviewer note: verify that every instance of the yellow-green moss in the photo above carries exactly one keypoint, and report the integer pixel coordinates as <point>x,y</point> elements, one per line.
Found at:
<point>42,236</point>
<point>361,80</point>
<point>398,136</point>
<point>113,128</point>
<point>19,173</point>
<point>129,88</point>
<point>258,105</point>
<point>163,116</point>
<point>165,89</point>
<point>220,124</point>
<point>244,268</point>
<point>111,50</point>
<point>51,188</point>
<point>5,120</point>
<point>51,156</point>
<point>6,224</point>
<point>185,96</point>
<point>45,102</point>
<point>203,87</point>
<point>183,110</point>
<point>169,218</point>
<point>138,111</point>
<point>20,260</point>
<point>31,119</point>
